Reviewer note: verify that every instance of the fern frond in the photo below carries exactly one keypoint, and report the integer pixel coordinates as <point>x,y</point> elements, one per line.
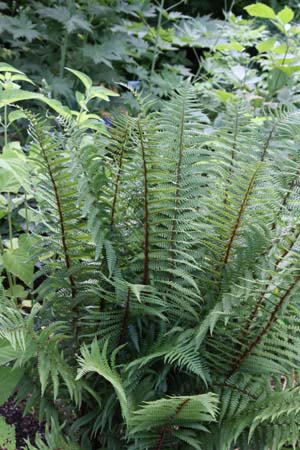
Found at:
<point>96,361</point>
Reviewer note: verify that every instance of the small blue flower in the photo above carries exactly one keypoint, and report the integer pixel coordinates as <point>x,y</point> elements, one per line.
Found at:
<point>107,121</point>
<point>134,84</point>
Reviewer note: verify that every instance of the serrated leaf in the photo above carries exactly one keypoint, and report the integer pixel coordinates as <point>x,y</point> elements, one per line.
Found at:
<point>286,15</point>
<point>76,22</point>
<point>260,10</point>
<point>85,79</point>
<point>9,379</point>
<point>22,27</point>
<point>58,13</point>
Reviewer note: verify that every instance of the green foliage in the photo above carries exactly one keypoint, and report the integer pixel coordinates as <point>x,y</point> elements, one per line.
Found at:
<point>7,435</point>
<point>150,298</point>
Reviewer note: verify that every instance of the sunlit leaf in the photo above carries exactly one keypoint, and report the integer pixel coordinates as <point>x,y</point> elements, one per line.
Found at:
<point>260,10</point>
<point>286,15</point>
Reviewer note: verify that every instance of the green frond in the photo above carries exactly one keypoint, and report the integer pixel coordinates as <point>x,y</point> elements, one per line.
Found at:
<point>96,361</point>
<point>168,415</point>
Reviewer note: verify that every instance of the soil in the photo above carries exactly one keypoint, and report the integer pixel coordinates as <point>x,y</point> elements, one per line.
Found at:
<point>26,426</point>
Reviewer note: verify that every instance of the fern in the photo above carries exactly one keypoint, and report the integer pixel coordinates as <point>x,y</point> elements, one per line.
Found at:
<point>168,280</point>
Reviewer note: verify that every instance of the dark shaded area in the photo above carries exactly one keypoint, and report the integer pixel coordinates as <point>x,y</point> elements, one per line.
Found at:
<point>26,426</point>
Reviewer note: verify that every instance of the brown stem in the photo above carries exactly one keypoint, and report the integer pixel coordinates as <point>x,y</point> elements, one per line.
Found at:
<point>236,388</point>
<point>167,428</point>
<point>239,217</point>
<point>266,328</point>
<point>268,141</point>
<point>265,290</point>
<point>62,232</point>
<point>159,443</point>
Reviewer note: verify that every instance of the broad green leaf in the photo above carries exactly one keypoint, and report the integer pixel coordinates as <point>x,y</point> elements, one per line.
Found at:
<point>16,115</point>
<point>10,96</point>
<point>13,170</point>
<point>81,100</point>
<point>7,435</point>
<point>289,69</point>
<point>260,10</point>
<point>19,261</point>
<point>265,46</point>
<point>280,49</point>
<point>85,79</point>
<point>233,45</point>
<point>56,106</point>
<point>16,291</point>
<point>9,379</point>
<point>4,67</point>
<point>286,15</point>
<point>21,77</point>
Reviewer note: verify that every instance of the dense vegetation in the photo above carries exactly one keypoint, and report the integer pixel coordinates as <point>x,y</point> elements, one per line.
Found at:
<point>150,262</point>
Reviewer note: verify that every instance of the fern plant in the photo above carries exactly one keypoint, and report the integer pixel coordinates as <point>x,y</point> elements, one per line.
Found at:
<point>165,311</point>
